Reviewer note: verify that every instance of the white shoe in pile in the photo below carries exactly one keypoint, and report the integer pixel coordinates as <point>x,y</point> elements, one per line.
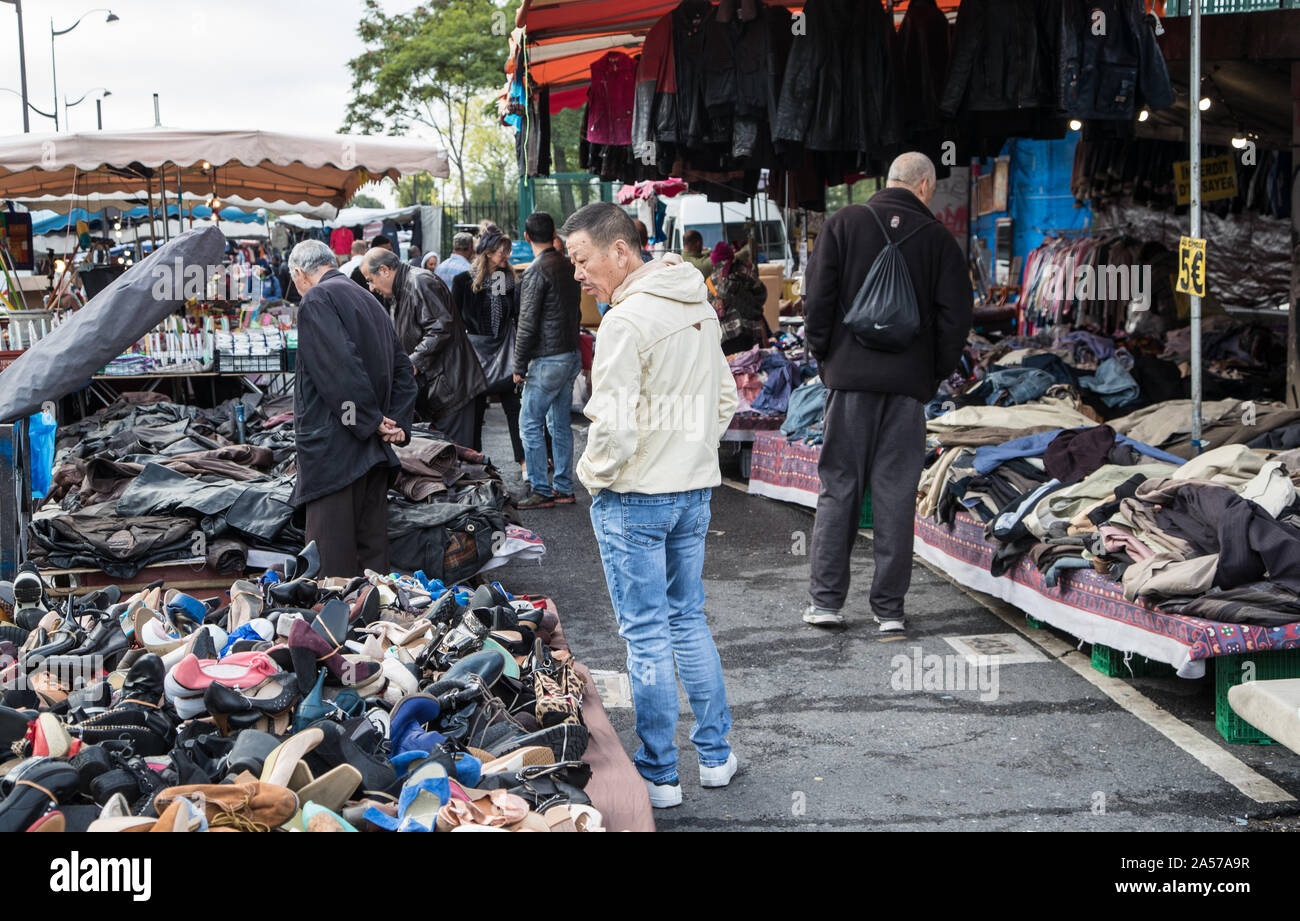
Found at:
<point>888,625</point>
<point>821,617</point>
<point>721,775</point>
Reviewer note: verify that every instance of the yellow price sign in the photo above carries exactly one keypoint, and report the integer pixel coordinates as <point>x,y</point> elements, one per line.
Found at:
<point>1191,266</point>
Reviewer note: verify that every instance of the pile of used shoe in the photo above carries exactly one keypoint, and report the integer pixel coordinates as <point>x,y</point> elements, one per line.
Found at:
<point>384,703</point>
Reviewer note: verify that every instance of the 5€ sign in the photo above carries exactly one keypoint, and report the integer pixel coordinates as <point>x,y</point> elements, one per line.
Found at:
<point>1191,266</point>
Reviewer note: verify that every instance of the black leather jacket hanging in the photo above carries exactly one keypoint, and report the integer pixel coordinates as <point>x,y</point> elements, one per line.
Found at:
<point>840,91</point>
<point>1004,56</point>
<point>1110,62</point>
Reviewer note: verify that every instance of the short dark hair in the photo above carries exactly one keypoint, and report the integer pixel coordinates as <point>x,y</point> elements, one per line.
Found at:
<point>540,227</point>
<point>642,234</point>
<point>605,223</point>
<point>692,236</point>
<point>381,240</point>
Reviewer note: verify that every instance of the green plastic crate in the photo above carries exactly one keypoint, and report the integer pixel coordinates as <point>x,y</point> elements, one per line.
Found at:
<point>864,520</point>
<point>1229,671</point>
<point>1110,662</point>
<point>1033,623</point>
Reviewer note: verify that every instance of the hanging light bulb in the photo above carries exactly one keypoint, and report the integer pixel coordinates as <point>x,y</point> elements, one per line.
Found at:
<point>1075,124</point>
<point>1144,115</point>
<point>1204,104</point>
<point>1239,142</point>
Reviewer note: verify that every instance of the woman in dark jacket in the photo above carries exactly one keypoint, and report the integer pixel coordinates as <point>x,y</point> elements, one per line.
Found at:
<point>488,300</point>
<point>738,297</point>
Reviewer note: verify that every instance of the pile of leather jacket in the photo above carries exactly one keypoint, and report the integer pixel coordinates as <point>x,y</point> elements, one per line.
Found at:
<point>380,703</point>
<point>721,92</point>
<point>147,481</point>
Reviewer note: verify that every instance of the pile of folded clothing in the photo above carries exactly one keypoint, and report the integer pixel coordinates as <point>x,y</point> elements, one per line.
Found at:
<point>1216,537</point>
<point>146,481</point>
<point>1106,377</point>
<point>381,703</point>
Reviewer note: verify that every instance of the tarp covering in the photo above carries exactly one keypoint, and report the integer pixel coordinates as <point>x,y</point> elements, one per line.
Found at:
<point>110,322</point>
<point>249,164</point>
<point>353,217</point>
<point>59,222</point>
<point>61,204</point>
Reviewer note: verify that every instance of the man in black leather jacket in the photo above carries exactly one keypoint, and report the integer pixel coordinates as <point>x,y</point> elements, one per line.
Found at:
<point>547,357</point>
<point>448,371</point>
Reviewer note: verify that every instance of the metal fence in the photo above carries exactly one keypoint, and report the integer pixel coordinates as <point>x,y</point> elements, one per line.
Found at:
<point>502,213</point>
<point>1183,7</point>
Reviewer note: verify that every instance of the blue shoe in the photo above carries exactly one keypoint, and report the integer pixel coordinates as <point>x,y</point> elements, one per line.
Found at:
<point>406,724</point>
<point>423,794</point>
<point>180,605</point>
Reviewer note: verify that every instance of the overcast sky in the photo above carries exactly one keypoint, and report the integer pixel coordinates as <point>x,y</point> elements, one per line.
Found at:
<point>268,64</point>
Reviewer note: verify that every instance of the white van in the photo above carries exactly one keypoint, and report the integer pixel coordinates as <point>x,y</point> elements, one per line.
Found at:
<point>696,212</point>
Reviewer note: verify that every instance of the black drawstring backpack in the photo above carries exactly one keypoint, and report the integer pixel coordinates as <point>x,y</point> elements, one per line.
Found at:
<point>884,314</point>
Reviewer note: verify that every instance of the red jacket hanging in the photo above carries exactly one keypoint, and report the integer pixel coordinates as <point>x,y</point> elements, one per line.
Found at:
<point>613,86</point>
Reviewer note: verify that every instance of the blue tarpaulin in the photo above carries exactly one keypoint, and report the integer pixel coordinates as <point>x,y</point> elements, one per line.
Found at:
<point>1038,195</point>
<point>68,221</point>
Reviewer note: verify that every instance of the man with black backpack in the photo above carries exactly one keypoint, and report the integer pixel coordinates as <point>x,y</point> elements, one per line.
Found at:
<point>887,308</point>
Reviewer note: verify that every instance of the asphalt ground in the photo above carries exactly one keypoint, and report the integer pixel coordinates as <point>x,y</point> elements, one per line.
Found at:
<point>845,729</point>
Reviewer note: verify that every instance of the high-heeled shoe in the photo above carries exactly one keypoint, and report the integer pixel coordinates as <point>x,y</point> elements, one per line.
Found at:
<point>321,643</point>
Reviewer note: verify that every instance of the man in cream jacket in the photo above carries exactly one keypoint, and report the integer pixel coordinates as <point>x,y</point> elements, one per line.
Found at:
<point>662,395</point>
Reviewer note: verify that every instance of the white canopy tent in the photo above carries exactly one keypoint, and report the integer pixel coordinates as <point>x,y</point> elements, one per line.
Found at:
<point>252,165</point>
<point>48,205</point>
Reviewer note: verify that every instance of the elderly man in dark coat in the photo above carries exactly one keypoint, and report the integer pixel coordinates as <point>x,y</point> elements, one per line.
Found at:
<point>354,398</point>
<point>431,331</point>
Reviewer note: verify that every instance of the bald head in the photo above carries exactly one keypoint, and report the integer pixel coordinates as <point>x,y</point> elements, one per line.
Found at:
<point>915,172</point>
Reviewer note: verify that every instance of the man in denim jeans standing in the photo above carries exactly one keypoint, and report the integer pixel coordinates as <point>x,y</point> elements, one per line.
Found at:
<point>662,395</point>
<point>547,357</point>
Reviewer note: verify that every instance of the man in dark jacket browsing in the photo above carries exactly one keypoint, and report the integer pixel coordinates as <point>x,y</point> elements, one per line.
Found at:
<point>354,395</point>
<point>432,333</point>
<point>547,357</point>
<point>875,421</point>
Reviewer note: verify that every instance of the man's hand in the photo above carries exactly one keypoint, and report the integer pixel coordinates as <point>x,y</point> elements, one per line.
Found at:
<point>519,378</point>
<point>390,432</point>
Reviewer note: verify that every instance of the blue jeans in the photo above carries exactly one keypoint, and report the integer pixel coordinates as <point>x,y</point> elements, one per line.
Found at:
<point>546,404</point>
<point>652,547</point>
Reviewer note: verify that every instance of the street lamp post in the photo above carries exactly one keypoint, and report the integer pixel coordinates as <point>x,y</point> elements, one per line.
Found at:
<point>22,63</point>
<point>54,70</point>
<point>67,116</point>
<point>26,105</point>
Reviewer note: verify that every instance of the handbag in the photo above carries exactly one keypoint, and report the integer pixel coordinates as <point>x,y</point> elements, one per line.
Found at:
<point>496,354</point>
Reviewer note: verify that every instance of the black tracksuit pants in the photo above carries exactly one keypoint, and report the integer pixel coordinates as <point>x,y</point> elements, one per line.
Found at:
<point>874,440</point>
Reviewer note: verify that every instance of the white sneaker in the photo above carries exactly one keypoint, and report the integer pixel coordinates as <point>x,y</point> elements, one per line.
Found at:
<point>820,617</point>
<point>664,795</point>
<point>721,775</point>
<point>890,625</point>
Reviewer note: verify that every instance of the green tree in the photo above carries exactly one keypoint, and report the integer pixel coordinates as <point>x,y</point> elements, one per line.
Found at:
<point>365,201</point>
<point>426,67</point>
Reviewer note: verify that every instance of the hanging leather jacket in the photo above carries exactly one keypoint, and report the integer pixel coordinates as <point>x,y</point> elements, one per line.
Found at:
<point>924,37</point>
<point>1004,56</point>
<point>840,91</point>
<point>654,106</point>
<point>1110,61</point>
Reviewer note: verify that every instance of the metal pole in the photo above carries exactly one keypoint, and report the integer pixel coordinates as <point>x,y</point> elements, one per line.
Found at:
<point>162,194</point>
<point>148,192</point>
<point>54,73</point>
<point>22,67</point>
<point>157,119</point>
<point>99,114</point>
<point>1193,101</point>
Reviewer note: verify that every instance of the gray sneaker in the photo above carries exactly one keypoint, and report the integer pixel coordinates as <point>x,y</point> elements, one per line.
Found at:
<point>890,625</point>
<point>821,617</point>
